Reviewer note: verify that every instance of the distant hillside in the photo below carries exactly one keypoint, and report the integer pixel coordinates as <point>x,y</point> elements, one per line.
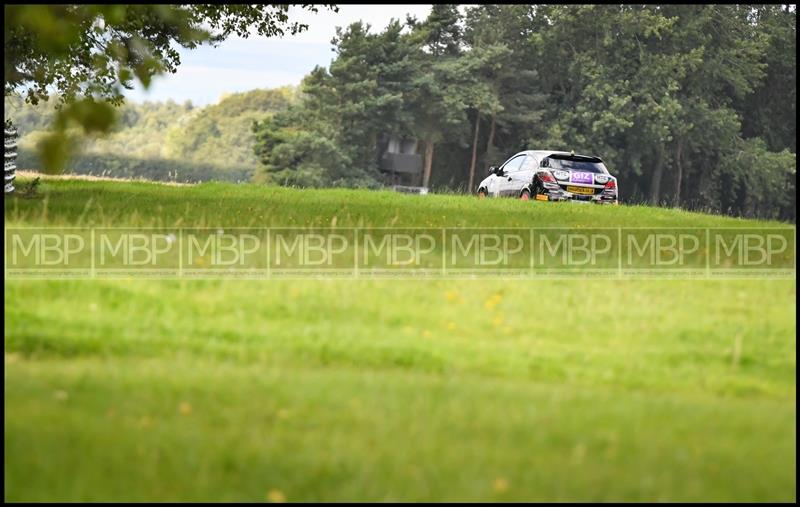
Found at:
<point>152,137</point>
<point>222,133</point>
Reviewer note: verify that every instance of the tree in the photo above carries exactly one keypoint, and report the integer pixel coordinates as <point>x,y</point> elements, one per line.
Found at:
<point>366,96</point>
<point>485,59</point>
<point>89,53</point>
<point>437,104</point>
<point>324,140</point>
<point>505,84</point>
<point>440,33</point>
<point>770,111</point>
<point>368,82</point>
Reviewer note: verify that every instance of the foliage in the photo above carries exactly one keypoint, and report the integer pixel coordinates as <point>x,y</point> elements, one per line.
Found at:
<point>153,140</point>
<point>222,133</point>
<point>772,107</point>
<point>759,180</point>
<point>672,97</point>
<point>344,111</point>
<point>89,53</point>
<point>301,158</point>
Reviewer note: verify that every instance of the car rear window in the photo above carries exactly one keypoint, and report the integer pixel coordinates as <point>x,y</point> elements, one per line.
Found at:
<point>577,163</point>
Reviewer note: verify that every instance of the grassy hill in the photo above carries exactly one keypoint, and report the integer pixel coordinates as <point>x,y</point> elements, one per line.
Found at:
<point>162,140</point>
<point>388,390</point>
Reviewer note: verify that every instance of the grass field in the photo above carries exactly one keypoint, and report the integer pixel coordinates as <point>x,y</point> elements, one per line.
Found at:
<point>303,390</point>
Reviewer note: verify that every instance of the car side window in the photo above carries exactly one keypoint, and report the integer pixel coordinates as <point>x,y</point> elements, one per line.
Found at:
<point>514,164</point>
<point>529,164</point>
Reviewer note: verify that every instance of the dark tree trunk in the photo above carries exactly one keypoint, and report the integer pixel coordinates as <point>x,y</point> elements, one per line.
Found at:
<point>655,182</point>
<point>474,153</point>
<point>426,174</point>
<point>678,172</point>
<point>490,141</point>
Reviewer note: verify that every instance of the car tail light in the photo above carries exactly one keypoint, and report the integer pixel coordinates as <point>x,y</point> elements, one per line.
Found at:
<point>546,177</point>
<point>611,184</point>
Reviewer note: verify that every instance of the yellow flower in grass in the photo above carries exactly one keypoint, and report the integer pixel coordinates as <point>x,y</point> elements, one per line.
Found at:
<point>452,296</point>
<point>451,326</point>
<point>276,496</point>
<point>426,334</point>
<point>493,301</point>
<point>500,485</point>
<point>184,408</point>
<point>497,320</point>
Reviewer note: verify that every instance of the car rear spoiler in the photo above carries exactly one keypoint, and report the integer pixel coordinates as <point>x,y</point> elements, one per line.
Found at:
<point>576,158</point>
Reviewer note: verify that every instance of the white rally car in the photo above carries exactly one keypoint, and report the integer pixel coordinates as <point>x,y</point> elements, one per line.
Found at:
<point>551,176</point>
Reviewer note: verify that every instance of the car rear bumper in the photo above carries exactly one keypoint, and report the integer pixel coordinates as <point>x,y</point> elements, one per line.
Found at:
<point>602,196</point>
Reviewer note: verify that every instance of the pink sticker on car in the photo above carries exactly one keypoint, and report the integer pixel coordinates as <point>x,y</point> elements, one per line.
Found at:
<point>581,178</point>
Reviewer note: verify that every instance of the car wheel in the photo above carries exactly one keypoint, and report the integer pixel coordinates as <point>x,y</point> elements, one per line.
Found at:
<point>525,195</point>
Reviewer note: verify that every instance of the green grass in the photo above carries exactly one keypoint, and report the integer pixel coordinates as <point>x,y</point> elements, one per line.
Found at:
<point>390,389</point>
<point>103,203</point>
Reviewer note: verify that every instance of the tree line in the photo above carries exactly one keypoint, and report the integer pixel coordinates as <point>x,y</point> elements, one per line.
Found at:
<point>160,140</point>
<point>689,105</point>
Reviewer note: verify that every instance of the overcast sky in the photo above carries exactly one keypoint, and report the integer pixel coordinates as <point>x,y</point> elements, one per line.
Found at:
<point>240,64</point>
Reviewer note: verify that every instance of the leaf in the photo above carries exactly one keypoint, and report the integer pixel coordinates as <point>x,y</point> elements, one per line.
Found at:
<point>54,149</point>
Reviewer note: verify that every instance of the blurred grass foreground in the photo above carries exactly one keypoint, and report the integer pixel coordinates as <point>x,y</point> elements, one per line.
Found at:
<point>389,390</point>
